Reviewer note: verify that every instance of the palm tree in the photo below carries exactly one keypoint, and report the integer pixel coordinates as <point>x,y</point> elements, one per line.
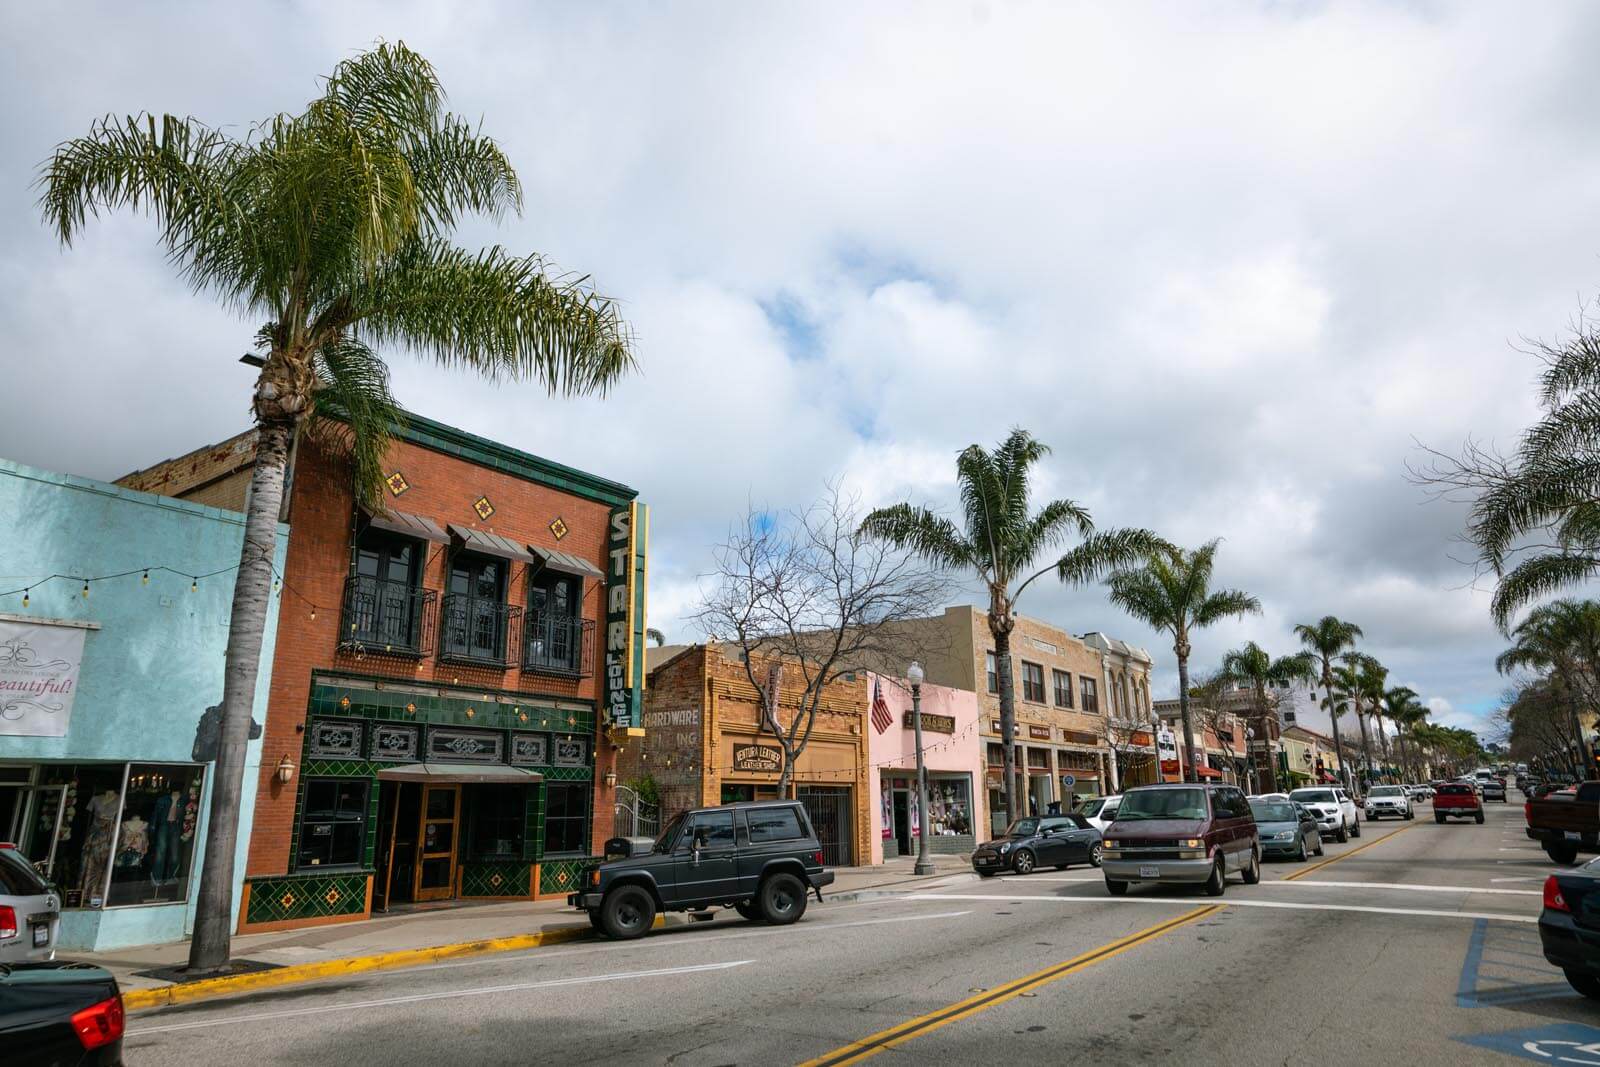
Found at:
<point>1000,542</point>
<point>655,636</point>
<point>1350,686</point>
<point>1406,711</point>
<point>1172,592</point>
<point>330,228</point>
<point>1326,639</point>
<point>1251,666</point>
<point>1563,639</point>
<point>1371,677</point>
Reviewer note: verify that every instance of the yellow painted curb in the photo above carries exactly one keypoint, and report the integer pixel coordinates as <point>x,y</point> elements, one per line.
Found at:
<point>207,988</point>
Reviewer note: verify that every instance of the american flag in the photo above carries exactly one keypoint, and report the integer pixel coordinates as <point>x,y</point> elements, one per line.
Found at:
<point>882,718</point>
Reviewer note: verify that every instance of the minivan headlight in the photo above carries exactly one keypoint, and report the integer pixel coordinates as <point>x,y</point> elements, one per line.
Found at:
<point>1191,842</point>
<point>1109,843</point>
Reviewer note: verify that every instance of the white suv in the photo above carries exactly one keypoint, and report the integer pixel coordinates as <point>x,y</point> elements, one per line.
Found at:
<point>1101,811</point>
<point>1331,806</point>
<point>1388,800</point>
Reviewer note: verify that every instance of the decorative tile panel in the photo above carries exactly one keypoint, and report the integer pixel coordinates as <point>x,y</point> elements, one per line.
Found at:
<point>333,738</point>
<point>571,752</point>
<point>483,507</point>
<point>396,743</point>
<point>465,746</point>
<point>530,750</point>
<point>397,483</point>
<point>558,527</point>
<point>291,898</point>
<point>496,879</point>
<point>564,876</point>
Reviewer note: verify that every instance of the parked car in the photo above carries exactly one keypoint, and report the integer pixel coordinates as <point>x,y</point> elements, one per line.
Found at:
<point>54,1013</point>
<point>1566,822</point>
<point>1569,926</point>
<point>1388,800</point>
<point>1056,841</point>
<point>1100,811</point>
<point>1182,833</point>
<point>30,911</point>
<point>1457,800</point>
<point>1286,829</point>
<point>1268,796</point>
<point>1494,789</point>
<point>1336,813</point>
<point>761,859</point>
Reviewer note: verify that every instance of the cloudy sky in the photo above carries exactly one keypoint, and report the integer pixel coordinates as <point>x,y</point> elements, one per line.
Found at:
<point>1229,260</point>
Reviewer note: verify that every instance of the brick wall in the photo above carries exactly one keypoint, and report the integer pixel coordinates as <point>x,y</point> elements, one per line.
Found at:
<point>672,752</point>
<point>442,487</point>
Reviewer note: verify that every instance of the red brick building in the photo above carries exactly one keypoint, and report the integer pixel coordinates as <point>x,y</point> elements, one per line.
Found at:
<point>453,678</point>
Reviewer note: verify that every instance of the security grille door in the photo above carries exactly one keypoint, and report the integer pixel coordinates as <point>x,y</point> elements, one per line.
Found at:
<point>829,809</point>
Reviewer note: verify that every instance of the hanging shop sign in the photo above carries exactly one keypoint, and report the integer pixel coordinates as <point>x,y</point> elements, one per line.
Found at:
<point>931,723</point>
<point>38,677</point>
<point>1166,744</point>
<point>1039,733</point>
<point>627,573</point>
<point>764,758</point>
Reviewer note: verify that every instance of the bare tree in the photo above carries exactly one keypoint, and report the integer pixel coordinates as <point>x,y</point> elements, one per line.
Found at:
<point>806,599</point>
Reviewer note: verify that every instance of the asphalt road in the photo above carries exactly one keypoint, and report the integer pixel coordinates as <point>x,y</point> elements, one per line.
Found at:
<point>1400,947</point>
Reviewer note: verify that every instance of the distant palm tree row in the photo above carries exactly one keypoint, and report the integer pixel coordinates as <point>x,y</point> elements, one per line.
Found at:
<point>1558,644</point>
<point>1008,546</point>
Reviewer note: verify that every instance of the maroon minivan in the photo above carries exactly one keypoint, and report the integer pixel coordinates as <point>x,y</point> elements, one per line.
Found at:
<point>1190,833</point>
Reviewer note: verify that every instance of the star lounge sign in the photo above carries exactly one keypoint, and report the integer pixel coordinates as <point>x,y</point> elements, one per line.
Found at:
<point>628,536</point>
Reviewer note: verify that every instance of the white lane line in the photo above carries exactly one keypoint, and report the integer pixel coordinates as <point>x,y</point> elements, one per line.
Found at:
<point>1297,906</point>
<point>1414,888</point>
<point>288,1013</point>
<point>1525,878</point>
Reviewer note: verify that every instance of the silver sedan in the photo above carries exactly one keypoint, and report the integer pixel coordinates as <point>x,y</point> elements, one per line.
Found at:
<point>30,911</point>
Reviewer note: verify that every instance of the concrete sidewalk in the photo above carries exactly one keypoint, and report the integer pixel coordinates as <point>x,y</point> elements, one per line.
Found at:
<point>422,934</point>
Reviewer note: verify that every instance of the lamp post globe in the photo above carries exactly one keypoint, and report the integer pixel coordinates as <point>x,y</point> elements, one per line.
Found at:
<point>1250,758</point>
<point>914,675</point>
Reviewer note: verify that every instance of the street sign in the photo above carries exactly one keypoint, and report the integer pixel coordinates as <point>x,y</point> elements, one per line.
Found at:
<point>1068,781</point>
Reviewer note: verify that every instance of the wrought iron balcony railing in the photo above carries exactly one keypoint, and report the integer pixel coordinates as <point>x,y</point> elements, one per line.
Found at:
<point>479,631</point>
<point>382,616</point>
<point>558,644</point>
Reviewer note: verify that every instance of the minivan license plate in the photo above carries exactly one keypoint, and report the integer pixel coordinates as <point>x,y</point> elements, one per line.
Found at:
<point>1149,872</point>
<point>41,936</point>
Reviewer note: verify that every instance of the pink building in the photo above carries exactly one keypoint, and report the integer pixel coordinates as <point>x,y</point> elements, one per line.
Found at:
<point>951,751</point>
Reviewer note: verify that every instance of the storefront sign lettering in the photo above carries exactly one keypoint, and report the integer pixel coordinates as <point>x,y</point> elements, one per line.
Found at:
<point>931,723</point>
<point>1039,733</point>
<point>626,547</point>
<point>765,758</point>
<point>38,677</point>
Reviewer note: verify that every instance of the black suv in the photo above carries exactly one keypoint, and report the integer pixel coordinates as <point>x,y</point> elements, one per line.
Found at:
<point>760,859</point>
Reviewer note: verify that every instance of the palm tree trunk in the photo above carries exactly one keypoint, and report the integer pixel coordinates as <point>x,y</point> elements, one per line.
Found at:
<point>1333,718</point>
<point>1188,723</point>
<point>1366,745</point>
<point>1405,760</point>
<point>1008,716</point>
<point>252,593</point>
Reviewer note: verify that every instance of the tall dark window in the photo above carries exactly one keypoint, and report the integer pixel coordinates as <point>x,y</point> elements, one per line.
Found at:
<point>1032,682</point>
<point>1063,683</point>
<point>475,609</point>
<point>496,815</point>
<point>333,822</point>
<point>989,669</point>
<point>1091,699</point>
<point>381,606</point>
<point>566,817</point>
<point>555,634</point>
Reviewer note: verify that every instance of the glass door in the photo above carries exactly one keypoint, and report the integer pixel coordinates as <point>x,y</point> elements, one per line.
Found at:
<point>39,826</point>
<point>436,848</point>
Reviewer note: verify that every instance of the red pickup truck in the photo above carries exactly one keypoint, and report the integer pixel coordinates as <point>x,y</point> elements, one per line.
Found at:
<point>1457,800</point>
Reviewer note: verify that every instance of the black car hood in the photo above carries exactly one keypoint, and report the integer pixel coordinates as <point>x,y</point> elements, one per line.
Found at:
<point>997,842</point>
<point>632,863</point>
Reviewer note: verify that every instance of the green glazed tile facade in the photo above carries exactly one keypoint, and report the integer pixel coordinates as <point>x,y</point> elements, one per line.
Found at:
<point>496,879</point>
<point>305,896</point>
<point>564,876</point>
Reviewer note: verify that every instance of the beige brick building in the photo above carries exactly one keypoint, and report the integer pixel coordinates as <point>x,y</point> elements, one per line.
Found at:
<point>1075,697</point>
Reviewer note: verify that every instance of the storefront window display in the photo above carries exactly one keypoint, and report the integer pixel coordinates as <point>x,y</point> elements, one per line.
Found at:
<point>122,834</point>
<point>949,805</point>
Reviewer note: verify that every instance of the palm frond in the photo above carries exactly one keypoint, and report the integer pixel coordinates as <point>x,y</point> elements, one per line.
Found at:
<point>1538,576</point>
<point>1107,551</point>
<point>1225,603</point>
<point>922,533</point>
<point>353,387</point>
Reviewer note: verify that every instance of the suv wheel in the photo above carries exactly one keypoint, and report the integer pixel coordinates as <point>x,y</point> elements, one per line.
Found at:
<point>594,917</point>
<point>1022,862</point>
<point>1355,831</point>
<point>1252,873</point>
<point>1217,884</point>
<point>1587,984</point>
<point>627,913</point>
<point>1116,888</point>
<point>1562,852</point>
<point>1478,818</point>
<point>1438,817</point>
<point>748,910</point>
<point>782,899</point>
<point>1344,833</point>
<point>1095,855</point>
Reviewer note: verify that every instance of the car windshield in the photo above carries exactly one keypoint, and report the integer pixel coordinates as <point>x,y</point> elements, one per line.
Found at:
<point>1272,811</point>
<point>1387,791</point>
<point>664,842</point>
<point>1312,796</point>
<point>1022,828</point>
<point>1144,804</point>
<point>1092,808</point>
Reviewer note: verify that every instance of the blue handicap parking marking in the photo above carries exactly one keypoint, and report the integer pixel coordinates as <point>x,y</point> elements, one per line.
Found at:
<point>1566,1043</point>
<point>1505,965</point>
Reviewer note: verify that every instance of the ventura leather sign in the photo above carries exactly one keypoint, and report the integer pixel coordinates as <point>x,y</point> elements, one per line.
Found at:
<point>757,758</point>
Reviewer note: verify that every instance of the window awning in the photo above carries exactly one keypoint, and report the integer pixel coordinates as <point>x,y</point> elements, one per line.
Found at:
<point>491,544</point>
<point>459,772</point>
<point>560,561</point>
<point>407,525</point>
<point>1208,772</point>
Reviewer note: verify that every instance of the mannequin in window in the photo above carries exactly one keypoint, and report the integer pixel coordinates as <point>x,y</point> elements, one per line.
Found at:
<point>97,845</point>
<point>133,843</point>
<point>166,828</point>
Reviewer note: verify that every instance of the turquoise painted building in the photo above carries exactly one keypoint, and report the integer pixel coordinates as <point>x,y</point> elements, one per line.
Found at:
<point>102,686</point>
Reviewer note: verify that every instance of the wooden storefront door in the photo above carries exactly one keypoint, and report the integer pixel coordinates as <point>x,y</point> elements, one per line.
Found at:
<point>436,848</point>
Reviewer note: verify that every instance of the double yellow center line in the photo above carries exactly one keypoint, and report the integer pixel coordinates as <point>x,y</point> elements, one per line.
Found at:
<point>1303,871</point>
<point>873,1044</point>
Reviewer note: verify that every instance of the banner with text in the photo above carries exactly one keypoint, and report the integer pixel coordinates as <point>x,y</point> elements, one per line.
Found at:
<point>38,677</point>
<point>627,573</point>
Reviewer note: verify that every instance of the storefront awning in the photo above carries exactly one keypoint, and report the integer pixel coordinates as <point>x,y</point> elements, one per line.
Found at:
<point>407,525</point>
<point>560,561</point>
<point>459,772</point>
<point>1208,772</point>
<point>491,544</point>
